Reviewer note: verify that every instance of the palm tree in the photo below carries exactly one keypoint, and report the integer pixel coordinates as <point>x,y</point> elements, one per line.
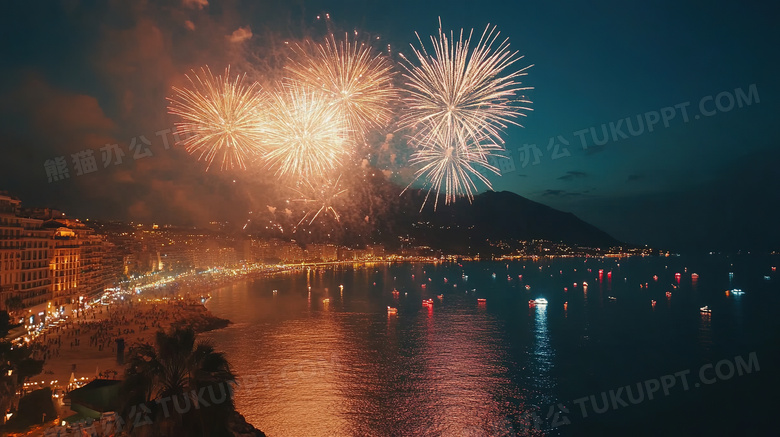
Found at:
<point>185,384</point>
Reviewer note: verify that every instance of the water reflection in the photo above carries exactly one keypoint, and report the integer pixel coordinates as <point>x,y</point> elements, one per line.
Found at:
<point>542,356</point>
<point>457,367</point>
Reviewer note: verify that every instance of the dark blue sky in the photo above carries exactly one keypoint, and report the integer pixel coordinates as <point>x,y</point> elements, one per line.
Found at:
<point>77,73</point>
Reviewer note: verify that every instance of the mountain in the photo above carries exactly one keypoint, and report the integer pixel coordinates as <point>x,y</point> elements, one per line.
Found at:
<point>372,211</point>
<point>496,216</point>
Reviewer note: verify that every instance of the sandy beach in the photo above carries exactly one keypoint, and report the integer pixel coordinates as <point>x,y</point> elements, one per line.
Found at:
<point>86,346</point>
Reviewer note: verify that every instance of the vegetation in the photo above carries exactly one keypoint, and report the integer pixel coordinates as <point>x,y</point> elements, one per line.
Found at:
<point>33,409</point>
<point>14,303</point>
<point>178,386</point>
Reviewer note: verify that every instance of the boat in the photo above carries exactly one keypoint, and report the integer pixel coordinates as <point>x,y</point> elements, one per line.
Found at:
<point>668,294</point>
<point>481,300</point>
<point>440,296</point>
<point>427,302</point>
<point>694,276</point>
<point>611,298</point>
<point>392,311</point>
<point>766,278</point>
<point>326,300</point>
<point>652,302</point>
<point>494,276</point>
<point>527,287</point>
<point>540,301</point>
<point>737,292</point>
<point>395,293</point>
<point>275,291</point>
<point>705,309</point>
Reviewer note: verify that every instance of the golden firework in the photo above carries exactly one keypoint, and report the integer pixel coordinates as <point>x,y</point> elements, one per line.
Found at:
<point>352,76</point>
<point>304,137</point>
<point>221,118</point>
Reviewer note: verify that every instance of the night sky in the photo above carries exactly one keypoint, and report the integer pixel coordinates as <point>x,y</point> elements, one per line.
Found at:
<point>78,75</point>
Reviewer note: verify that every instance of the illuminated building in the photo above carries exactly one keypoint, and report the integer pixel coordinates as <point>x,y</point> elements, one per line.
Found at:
<point>65,266</point>
<point>24,258</point>
<point>48,260</point>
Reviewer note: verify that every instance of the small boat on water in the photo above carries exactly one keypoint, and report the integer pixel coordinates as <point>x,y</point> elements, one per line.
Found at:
<point>427,302</point>
<point>275,291</point>
<point>705,309</point>
<point>392,311</point>
<point>440,296</point>
<point>494,276</point>
<point>652,302</point>
<point>325,300</point>
<point>766,278</point>
<point>395,293</point>
<point>527,287</point>
<point>540,301</point>
<point>481,300</point>
<point>737,292</point>
<point>611,298</point>
<point>668,294</point>
<point>694,276</point>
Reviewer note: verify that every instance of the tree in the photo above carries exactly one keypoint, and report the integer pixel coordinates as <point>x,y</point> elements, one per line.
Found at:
<point>184,387</point>
<point>5,323</point>
<point>14,303</point>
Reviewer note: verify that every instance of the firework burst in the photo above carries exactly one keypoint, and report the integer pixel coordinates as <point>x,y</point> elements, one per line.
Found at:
<point>305,139</point>
<point>462,95</point>
<point>221,118</point>
<point>352,76</point>
<point>452,168</point>
<point>322,196</point>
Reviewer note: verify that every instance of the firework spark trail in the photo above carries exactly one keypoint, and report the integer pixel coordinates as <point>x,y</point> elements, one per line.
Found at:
<point>459,97</point>
<point>221,118</point>
<point>460,94</point>
<point>450,168</point>
<point>324,195</point>
<point>353,77</point>
<point>304,137</point>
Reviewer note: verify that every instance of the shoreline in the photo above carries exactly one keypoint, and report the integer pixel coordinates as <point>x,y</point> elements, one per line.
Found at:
<point>85,348</point>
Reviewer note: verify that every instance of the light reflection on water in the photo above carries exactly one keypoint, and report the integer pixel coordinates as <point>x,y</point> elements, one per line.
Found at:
<point>542,358</point>
<point>337,369</point>
<point>347,368</point>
